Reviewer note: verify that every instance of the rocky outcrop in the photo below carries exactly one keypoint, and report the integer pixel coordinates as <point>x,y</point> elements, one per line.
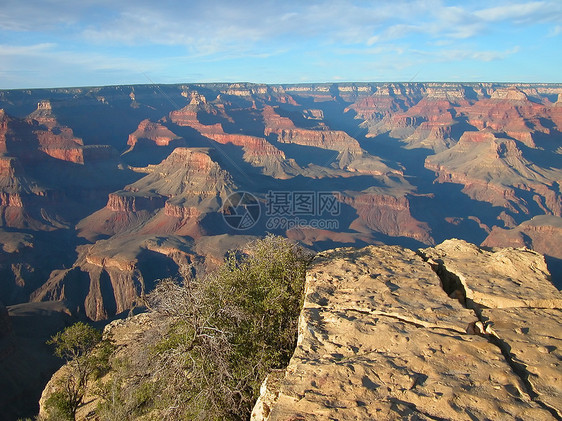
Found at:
<point>386,333</point>
<point>154,132</point>
<point>541,233</point>
<point>509,94</point>
<point>424,119</point>
<point>254,146</point>
<point>502,278</point>
<point>180,211</point>
<point>144,221</point>
<point>435,123</point>
<point>387,214</point>
<point>126,201</point>
<point>274,122</point>
<point>351,158</point>
<point>128,336</point>
<point>509,111</point>
<point>518,309</point>
<point>40,187</point>
<point>388,100</point>
<point>435,115</point>
<point>287,132</point>
<point>55,140</point>
<point>188,172</point>
<point>172,198</point>
<point>375,107</point>
<point>112,276</point>
<point>494,170</point>
<point>324,139</point>
<point>507,163</point>
<point>257,151</point>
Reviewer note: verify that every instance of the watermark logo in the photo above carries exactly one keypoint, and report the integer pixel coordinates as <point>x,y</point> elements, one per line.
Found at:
<point>284,210</point>
<point>302,209</point>
<point>241,210</point>
<point>302,203</point>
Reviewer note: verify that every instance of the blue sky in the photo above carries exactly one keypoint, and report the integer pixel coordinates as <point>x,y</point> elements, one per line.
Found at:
<point>57,43</point>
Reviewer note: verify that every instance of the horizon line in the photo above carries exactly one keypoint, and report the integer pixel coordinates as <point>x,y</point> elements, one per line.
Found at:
<point>360,83</point>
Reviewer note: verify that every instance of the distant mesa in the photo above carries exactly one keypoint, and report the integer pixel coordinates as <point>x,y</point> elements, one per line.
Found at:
<point>155,132</point>
<point>541,233</point>
<point>494,170</point>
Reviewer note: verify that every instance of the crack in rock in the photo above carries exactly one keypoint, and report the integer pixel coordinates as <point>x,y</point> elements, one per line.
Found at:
<point>455,288</point>
<point>412,407</point>
<point>409,320</point>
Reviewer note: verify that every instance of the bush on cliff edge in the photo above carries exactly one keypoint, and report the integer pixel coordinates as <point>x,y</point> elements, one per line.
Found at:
<point>223,335</point>
<point>87,357</point>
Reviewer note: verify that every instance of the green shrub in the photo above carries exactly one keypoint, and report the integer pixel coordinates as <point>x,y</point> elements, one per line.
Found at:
<point>60,407</point>
<point>87,357</point>
<point>222,335</point>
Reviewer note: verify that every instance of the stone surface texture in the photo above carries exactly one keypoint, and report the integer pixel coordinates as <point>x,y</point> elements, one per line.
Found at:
<point>452,332</point>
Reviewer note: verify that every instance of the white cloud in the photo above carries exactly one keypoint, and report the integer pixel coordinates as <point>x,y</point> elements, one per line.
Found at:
<point>215,26</point>
<point>19,50</point>
<point>557,30</point>
<point>493,55</point>
<point>526,12</point>
<point>102,34</point>
<point>467,54</point>
<point>52,66</point>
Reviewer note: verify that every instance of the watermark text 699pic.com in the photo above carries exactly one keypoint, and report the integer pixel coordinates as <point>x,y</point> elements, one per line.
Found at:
<point>284,210</point>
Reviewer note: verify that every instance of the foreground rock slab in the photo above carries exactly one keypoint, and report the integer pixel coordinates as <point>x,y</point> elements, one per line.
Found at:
<point>501,278</point>
<point>518,308</point>
<point>380,338</point>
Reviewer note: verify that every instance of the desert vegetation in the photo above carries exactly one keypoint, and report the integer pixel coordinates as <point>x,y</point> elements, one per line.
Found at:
<point>87,358</point>
<point>212,342</point>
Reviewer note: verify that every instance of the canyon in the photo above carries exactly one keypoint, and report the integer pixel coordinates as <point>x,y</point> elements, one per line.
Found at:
<point>106,190</point>
<point>450,332</point>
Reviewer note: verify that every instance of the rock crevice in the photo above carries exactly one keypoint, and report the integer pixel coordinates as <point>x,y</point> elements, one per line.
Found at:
<point>455,287</point>
<point>383,335</point>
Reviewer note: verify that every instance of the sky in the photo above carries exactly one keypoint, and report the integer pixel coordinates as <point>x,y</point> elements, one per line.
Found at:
<point>59,43</point>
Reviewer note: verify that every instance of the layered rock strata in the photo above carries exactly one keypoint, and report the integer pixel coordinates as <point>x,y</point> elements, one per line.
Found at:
<point>257,150</point>
<point>493,169</point>
<point>542,233</point>
<point>154,132</point>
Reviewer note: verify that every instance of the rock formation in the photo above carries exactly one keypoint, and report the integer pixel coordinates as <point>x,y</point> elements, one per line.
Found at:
<point>185,186</point>
<point>38,174</point>
<point>350,156</point>
<point>452,332</point>
<point>155,132</point>
<point>422,115</point>
<point>387,214</point>
<point>498,142</point>
<point>257,151</point>
<point>112,277</point>
<point>92,178</point>
<point>55,140</point>
<point>148,222</point>
<point>448,332</point>
<point>494,170</point>
<point>541,233</point>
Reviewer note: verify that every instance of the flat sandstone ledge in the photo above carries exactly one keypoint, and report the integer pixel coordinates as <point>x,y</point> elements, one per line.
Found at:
<point>451,332</point>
